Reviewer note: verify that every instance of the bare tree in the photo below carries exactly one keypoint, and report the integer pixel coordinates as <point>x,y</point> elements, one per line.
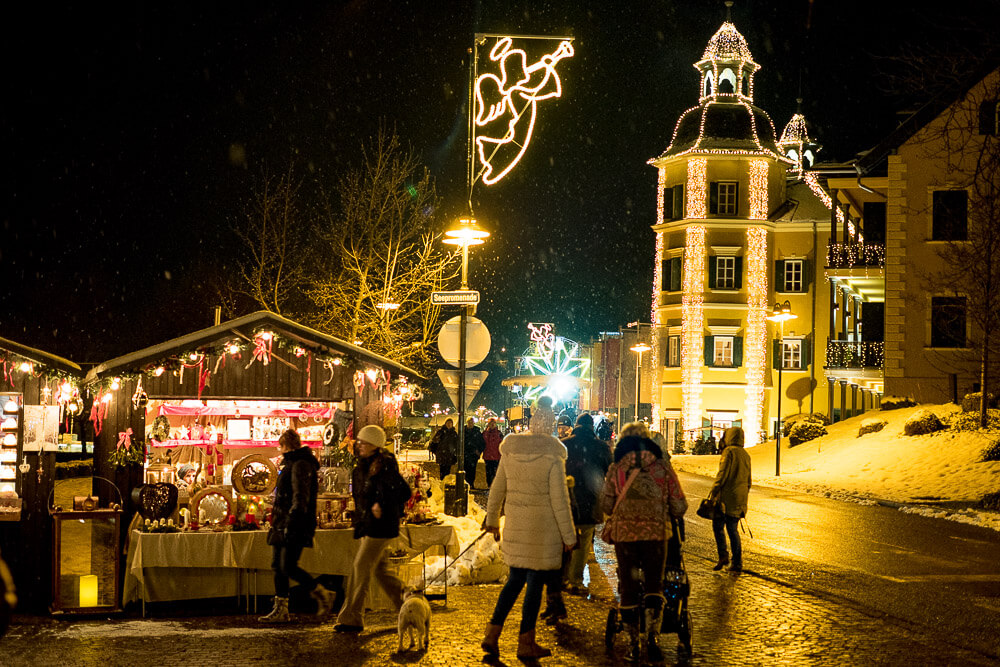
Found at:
<point>272,225</point>
<point>383,257</point>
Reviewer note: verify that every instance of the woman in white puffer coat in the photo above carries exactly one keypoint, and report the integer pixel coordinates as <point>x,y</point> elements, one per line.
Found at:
<point>530,487</point>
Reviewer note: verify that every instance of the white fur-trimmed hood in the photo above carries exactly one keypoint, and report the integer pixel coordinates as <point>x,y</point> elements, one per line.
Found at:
<point>529,446</point>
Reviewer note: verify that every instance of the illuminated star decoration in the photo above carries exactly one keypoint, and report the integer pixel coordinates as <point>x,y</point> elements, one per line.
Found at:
<point>507,105</point>
<point>563,367</point>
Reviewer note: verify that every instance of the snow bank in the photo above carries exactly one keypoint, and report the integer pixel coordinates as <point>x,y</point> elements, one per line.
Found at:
<point>885,465</point>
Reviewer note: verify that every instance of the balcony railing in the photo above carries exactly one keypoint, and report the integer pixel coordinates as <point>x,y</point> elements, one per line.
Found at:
<point>854,354</point>
<point>855,255</point>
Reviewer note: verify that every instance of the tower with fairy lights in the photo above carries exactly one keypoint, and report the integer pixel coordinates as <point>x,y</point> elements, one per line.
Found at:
<point>721,196</point>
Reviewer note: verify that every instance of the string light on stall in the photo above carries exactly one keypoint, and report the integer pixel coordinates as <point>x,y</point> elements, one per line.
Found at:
<point>755,339</point>
<point>116,384</point>
<point>25,367</point>
<point>158,371</point>
<point>233,348</point>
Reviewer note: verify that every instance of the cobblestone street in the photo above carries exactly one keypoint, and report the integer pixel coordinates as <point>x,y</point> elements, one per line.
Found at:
<point>738,620</point>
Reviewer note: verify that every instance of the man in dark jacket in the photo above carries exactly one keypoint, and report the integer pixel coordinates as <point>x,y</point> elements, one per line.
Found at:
<point>380,494</point>
<point>293,524</point>
<point>587,462</point>
<point>475,444</point>
<point>444,447</point>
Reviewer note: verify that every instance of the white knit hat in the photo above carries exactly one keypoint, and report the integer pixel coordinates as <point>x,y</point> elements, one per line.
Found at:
<point>373,435</point>
<point>543,421</point>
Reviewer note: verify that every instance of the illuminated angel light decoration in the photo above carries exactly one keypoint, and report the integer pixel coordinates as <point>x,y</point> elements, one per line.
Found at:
<point>542,338</point>
<point>506,106</point>
<point>758,190</point>
<point>657,288</point>
<point>692,327</point>
<point>560,362</point>
<point>755,338</point>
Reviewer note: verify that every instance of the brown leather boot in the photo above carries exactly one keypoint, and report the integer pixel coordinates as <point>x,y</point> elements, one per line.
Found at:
<point>491,642</point>
<point>527,649</point>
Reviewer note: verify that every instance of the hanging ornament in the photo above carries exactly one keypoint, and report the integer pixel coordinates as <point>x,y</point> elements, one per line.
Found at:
<point>139,398</point>
<point>262,348</point>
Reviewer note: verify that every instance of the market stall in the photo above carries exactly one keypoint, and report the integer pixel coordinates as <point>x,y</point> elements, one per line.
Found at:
<point>40,405</point>
<point>203,413</point>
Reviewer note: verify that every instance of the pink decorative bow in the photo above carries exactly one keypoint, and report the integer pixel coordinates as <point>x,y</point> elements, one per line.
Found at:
<point>261,350</point>
<point>125,439</point>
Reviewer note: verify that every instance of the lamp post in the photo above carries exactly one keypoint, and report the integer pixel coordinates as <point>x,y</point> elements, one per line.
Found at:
<point>782,312</point>
<point>638,348</point>
<point>465,234</point>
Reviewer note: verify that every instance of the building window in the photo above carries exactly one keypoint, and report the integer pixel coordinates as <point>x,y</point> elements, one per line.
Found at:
<point>674,351</point>
<point>725,273</point>
<point>793,275</point>
<point>671,275</point>
<point>723,355</point>
<point>989,118</point>
<point>791,355</point>
<point>950,215</point>
<point>948,321</point>
<point>722,198</point>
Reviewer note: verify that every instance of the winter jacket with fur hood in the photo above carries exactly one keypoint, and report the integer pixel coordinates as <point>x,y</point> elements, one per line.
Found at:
<point>732,484</point>
<point>530,487</point>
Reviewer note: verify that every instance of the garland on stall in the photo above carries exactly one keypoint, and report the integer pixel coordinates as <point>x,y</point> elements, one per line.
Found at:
<point>126,452</point>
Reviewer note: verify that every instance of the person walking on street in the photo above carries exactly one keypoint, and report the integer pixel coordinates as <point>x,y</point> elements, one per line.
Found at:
<point>380,494</point>
<point>530,487</point>
<point>444,447</point>
<point>474,446</point>
<point>588,460</point>
<point>730,493</point>
<point>637,495</point>
<point>293,524</point>
<point>491,452</point>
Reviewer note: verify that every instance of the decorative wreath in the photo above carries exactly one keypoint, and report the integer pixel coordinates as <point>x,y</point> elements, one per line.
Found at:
<point>255,475</point>
<point>161,429</point>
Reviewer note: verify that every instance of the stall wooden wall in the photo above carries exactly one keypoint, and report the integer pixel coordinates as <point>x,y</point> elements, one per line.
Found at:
<point>121,415</point>
<point>26,545</point>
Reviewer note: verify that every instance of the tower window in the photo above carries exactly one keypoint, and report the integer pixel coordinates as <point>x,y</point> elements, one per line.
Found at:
<point>727,82</point>
<point>746,86</point>
<point>708,84</point>
<point>674,351</point>
<point>723,352</point>
<point>725,272</point>
<point>793,275</point>
<point>722,198</point>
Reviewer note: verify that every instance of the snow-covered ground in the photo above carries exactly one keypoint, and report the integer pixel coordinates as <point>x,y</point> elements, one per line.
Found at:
<point>939,474</point>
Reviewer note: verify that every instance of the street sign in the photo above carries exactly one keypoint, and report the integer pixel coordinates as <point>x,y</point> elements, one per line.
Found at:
<point>477,341</point>
<point>473,383</point>
<point>455,298</point>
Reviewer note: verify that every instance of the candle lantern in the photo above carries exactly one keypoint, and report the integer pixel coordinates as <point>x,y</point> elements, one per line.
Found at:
<point>160,470</point>
<point>86,562</point>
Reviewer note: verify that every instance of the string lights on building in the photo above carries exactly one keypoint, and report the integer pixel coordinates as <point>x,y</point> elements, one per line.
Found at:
<point>697,186</point>
<point>657,288</point>
<point>693,323</point>
<point>758,190</point>
<point>755,339</point>
<point>813,182</point>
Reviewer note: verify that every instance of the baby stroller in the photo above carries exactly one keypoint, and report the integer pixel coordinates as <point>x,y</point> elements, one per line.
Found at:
<point>676,589</point>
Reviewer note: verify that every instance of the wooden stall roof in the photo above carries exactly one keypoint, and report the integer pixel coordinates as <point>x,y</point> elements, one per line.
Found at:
<point>44,358</point>
<point>246,327</point>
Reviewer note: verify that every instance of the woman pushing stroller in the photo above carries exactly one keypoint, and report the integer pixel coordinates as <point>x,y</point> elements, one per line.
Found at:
<point>641,495</point>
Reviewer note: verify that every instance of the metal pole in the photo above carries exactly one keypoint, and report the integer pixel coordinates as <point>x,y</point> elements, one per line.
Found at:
<point>461,508</point>
<point>638,364</point>
<point>781,366</point>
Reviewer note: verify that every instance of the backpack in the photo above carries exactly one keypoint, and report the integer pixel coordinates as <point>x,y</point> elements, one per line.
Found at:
<point>639,507</point>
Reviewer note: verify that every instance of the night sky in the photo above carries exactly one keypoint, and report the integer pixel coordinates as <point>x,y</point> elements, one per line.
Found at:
<point>131,136</point>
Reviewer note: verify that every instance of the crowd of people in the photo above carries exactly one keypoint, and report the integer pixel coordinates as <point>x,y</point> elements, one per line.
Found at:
<point>554,491</point>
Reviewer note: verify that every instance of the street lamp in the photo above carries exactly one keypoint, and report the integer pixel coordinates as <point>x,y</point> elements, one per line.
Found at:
<point>782,312</point>
<point>465,234</point>
<point>638,348</point>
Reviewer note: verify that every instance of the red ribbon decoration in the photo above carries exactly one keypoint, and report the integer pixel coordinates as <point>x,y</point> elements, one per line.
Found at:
<point>125,439</point>
<point>262,350</point>
<point>203,375</point>
<point>309,377</point>
<point>98,412</point>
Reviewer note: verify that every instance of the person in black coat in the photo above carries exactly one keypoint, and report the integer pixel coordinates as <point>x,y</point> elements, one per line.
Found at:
<point>587,462</point>
<point>293,524</point>
<point>380,495</point>
<point>444,447</point>
<point>475,444</point>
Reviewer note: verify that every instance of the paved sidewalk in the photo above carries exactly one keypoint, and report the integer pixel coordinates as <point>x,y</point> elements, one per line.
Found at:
<point>738,620</point>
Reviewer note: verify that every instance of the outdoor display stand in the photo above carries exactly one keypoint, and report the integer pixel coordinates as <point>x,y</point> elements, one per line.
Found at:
<point>86,562</point>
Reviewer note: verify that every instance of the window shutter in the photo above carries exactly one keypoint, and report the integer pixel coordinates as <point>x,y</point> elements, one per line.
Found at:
<point>668,203</point>
<point>709,350</point>
<point>665,267</point>
<point>806,275</point>
<point>779,275</point>
<point>738,273</point>
<point>678,201</point>
<point>712,261</point>
<point>713,197</point>
<point>736,198</point>
<point>806,352</point>
<point>775,354</point>
<point>738,351</point>
<point>675,274</point>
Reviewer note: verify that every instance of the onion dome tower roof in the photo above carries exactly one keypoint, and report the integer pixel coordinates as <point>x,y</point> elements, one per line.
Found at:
<point>796,145</point>
<point>726,119</point>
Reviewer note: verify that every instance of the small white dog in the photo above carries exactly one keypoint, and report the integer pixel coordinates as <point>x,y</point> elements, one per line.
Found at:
<point>415,620</point>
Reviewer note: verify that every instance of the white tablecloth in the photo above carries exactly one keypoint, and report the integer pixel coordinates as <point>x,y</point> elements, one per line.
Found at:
<point>204,564</point>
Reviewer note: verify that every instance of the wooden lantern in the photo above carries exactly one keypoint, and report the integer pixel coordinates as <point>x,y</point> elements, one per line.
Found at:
<point>86,562</point>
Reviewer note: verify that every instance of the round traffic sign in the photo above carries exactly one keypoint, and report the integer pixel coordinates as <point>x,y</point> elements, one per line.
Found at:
<point>477,341</point>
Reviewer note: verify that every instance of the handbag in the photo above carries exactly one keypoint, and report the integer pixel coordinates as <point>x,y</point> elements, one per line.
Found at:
<point>606,533</point>
<point>706,508</point>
